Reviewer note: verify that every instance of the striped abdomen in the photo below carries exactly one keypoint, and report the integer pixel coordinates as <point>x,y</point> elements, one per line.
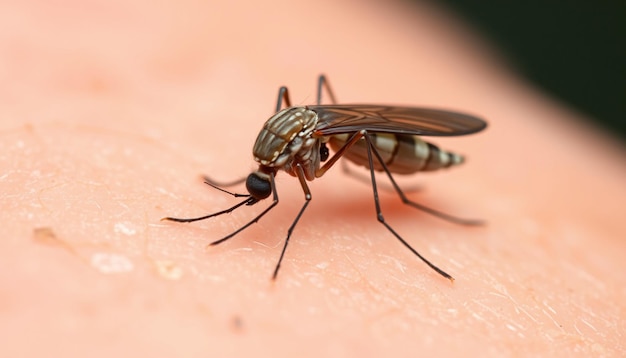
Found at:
<point>403,154</point>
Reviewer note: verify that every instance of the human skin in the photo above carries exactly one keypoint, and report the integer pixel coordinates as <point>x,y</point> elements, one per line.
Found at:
<point>111,112</point>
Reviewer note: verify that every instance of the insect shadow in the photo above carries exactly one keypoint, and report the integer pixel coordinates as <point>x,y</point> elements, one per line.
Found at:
<point>381,138</point>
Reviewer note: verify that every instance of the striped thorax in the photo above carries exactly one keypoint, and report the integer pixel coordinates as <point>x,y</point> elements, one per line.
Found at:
<point>286,140</point>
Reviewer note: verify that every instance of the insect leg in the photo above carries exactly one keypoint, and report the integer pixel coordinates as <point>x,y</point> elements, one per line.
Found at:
<point>307,198</point>
<point>379,213</point>
<point>323,82</point>
<point>421,207</point>
<point>283,95</point>
<point>253,201</point>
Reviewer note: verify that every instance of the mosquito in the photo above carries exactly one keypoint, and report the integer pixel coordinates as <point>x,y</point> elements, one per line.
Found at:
<point>379,137</point>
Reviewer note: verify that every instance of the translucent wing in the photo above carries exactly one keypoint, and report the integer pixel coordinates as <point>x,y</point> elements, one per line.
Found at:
<point>338,119</point>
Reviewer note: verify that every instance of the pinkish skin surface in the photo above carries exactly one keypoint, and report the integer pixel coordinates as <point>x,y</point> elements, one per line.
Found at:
<point>111,111</point>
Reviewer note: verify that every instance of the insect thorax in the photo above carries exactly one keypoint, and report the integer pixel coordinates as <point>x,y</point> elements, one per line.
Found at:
<point>286,140</point>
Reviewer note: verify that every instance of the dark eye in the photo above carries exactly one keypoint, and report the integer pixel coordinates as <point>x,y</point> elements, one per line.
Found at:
<point>324,152</point>
<point>258,187</point>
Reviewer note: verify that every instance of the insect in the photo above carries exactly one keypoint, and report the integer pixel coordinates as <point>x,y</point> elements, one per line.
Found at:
<point>381,138</point>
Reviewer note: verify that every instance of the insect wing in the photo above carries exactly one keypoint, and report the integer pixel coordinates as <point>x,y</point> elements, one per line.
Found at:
<point>339,119</point>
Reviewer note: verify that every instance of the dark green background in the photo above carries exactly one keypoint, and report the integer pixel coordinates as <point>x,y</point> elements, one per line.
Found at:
<point>575,50</point>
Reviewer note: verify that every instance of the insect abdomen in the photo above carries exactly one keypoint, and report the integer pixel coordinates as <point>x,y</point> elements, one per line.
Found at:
<point>402,154</point>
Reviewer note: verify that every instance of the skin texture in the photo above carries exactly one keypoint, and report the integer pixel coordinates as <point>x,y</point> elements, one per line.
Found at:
<point>111,111</point>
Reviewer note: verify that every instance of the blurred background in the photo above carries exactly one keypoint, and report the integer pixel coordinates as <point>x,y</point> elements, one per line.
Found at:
<point>574,50</point>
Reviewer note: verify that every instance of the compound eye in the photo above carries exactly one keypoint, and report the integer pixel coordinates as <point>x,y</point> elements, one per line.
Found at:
<point>260,188</point>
